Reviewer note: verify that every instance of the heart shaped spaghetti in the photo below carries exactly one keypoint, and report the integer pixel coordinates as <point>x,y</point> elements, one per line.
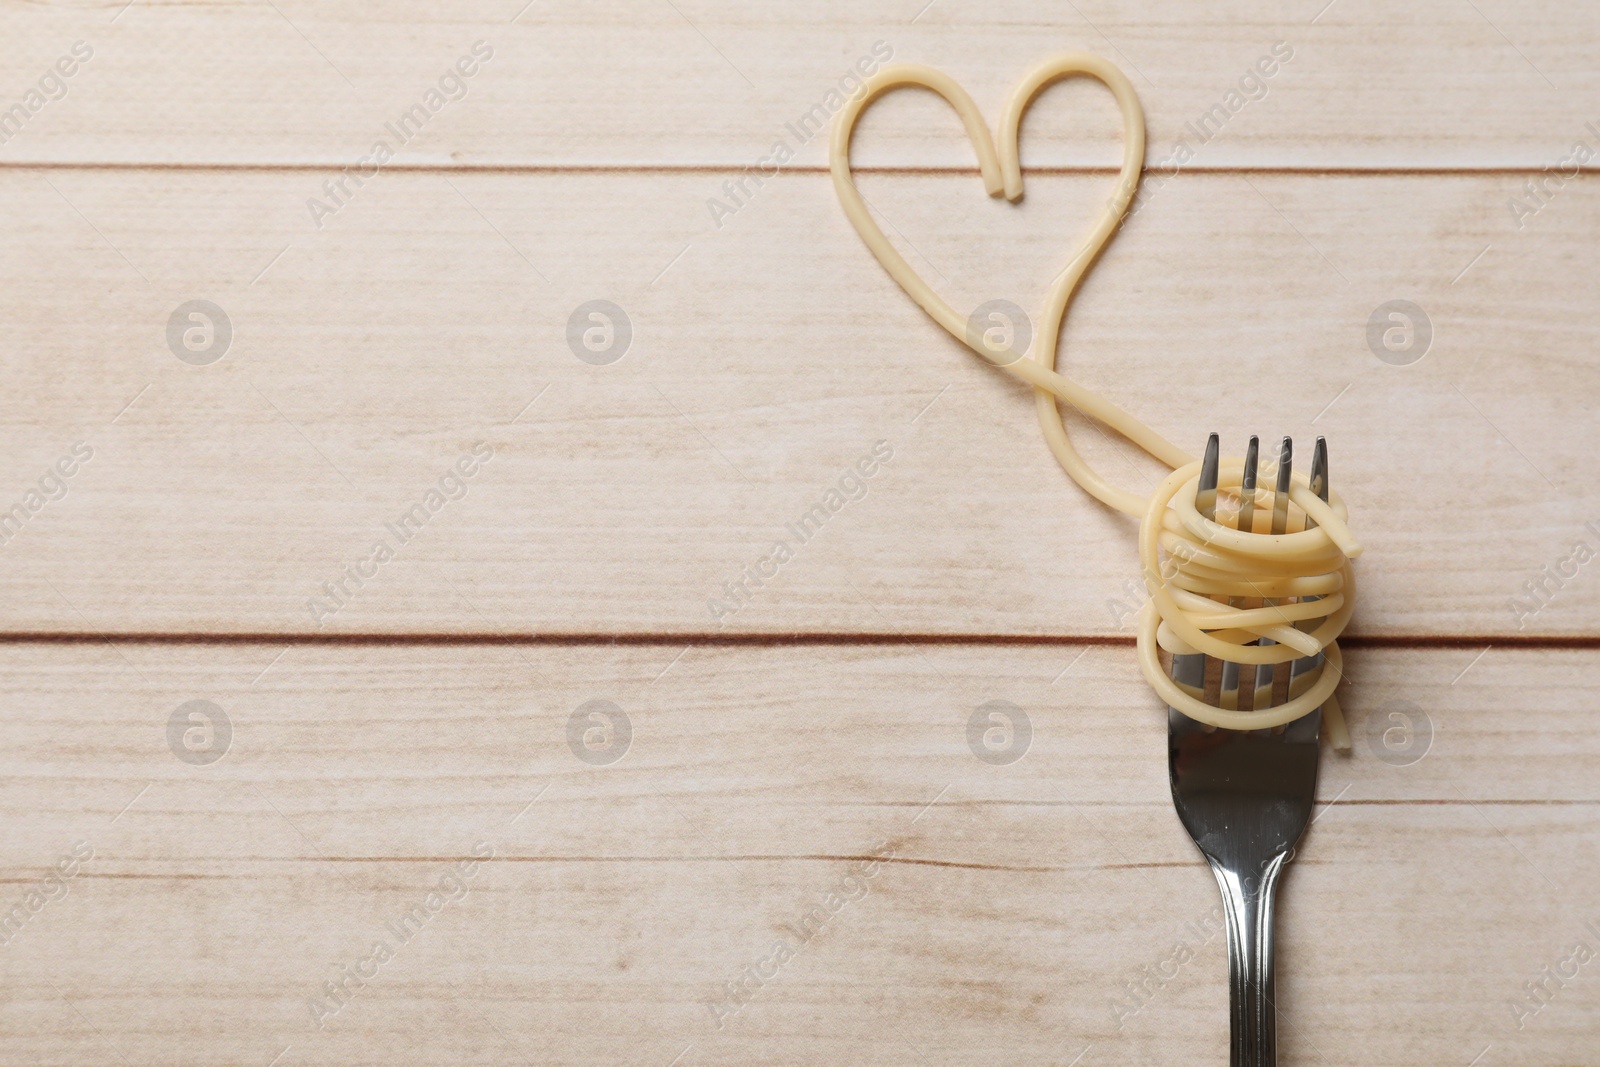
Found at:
<point>1196,570</point>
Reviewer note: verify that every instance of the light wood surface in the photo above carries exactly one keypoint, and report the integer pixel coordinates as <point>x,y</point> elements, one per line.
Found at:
<point>621,898</point>
<point>596,155</point>
<point>711,82</point>
<point>766,360</point>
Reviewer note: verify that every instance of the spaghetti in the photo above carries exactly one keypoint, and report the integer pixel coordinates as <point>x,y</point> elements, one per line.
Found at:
<point>1199,572</point>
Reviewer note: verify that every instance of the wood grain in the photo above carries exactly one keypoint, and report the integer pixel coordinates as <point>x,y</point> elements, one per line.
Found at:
<point>644,84</point>
<point>1019,902</point>
<point>768,357</point>
<point>1046,910</point>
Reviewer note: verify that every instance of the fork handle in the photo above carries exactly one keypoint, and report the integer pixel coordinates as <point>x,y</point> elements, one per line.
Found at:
<point>1247,902</point>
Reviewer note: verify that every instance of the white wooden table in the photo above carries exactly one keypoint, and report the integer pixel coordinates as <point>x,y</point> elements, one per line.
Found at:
<point>775,844</point>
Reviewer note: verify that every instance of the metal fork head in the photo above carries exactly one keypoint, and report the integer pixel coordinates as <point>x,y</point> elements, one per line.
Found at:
<point>1245,797</point>
<point>1226,779</point>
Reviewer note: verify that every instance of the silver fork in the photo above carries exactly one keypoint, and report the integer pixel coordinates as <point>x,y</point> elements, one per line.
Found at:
<point>1245,797</point>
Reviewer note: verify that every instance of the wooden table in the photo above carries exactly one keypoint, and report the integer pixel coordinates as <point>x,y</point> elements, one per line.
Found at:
<point>397,667</point>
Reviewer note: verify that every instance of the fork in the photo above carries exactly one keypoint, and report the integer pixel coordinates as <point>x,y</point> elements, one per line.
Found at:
<point>1245,797</point>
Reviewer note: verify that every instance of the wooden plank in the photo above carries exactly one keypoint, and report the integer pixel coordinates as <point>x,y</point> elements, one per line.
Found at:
<point>409,333</point>
<point>1019,904</point>
<point>430,316</point>
<point>641,83</point>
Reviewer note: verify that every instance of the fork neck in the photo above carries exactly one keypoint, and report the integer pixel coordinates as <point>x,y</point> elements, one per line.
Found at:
<point>1247,901</point>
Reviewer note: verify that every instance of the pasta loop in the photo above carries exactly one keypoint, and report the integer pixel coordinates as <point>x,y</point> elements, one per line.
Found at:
<point>1188,559</point>
<point>1213,589</point>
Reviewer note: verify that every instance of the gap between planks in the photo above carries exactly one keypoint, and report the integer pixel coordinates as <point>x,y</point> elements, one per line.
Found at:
<point>334,167</point>
<point>760,640</point>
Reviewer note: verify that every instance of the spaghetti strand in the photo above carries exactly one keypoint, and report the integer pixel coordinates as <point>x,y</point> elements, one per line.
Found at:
<point>1193,566</point>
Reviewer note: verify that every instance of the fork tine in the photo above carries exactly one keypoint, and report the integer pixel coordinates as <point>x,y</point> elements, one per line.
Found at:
<point>1190,669</point>
<point>1247,487</point>
<point>1280,500</point>
<point>1319,472</point>
<point>1206,498</point>
<point>1319,485</point>
<point>1267,673</point>
<point>1246,522</point>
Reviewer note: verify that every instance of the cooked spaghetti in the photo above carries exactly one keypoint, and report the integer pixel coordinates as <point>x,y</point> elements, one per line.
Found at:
<point>1213,589</point>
